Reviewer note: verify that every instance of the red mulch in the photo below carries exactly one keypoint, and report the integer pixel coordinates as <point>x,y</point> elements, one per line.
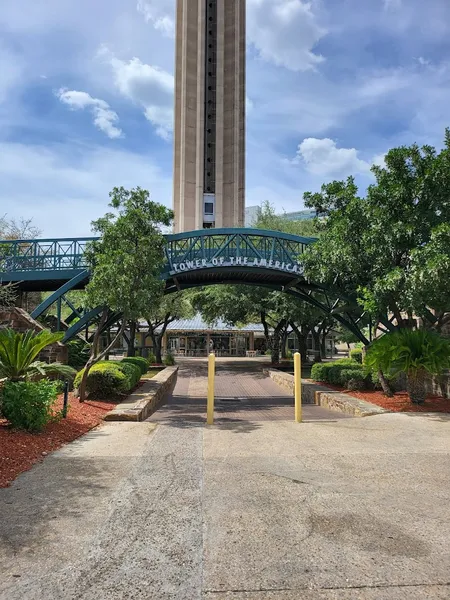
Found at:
<point>19,450</point>
<point>400,402</point>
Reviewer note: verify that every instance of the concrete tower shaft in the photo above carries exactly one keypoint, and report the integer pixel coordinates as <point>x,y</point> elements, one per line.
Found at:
<point>209,157</point>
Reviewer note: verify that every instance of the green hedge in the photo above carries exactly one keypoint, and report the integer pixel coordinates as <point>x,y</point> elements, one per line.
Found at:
<point>30,404</point>
<point>105,379</point>
<point>140,362</point>
<point>357,355</point>
<point>345,372</point>
<point>132,371</point>
<point>354,379</point>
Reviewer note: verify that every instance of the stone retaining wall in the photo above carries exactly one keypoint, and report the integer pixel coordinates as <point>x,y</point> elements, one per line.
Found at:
<point>314,393</point>
<point>147,399</point>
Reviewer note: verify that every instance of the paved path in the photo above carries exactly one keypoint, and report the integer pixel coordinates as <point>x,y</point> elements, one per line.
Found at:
<point>335,509</point>
<point>244,396</point>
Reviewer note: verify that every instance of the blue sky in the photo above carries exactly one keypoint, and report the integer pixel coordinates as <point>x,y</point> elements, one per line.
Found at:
<point>86,98</point>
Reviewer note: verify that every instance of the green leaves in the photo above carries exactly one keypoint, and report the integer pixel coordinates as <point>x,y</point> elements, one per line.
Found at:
<point>390,248</point>
<point>18,352</point>
<point>126,261</point>
<point>410,351</point>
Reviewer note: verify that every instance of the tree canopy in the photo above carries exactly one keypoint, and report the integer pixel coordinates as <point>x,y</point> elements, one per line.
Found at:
<point>126,262</point>
<point>372,247</point>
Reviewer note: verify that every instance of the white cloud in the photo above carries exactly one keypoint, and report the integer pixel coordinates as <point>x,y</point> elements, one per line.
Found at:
<point>104,117</point>
<point>383,83</point>
<point>147,86</point>
<point>323,157</point>
<point>64,187</point>
<point>285,32</point>
<point>156,13</point>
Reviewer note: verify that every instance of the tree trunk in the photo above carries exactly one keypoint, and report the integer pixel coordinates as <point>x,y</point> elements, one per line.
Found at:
<point>158,349</point>
<point>275,351</point>
<point>108,342</point>
<point>317,352</point>
<point>131,351</point>
<point>323,345</point>
<point>385,385</point>
<point>276,342</point>
<point>415,386</point>
<point>94,357</point>
<point>301,341</point>
<point>266,330</point>
<point>284,345</point>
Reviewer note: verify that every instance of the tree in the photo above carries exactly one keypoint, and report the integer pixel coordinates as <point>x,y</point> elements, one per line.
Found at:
<point>268,218</point>
<point>168,309</point>
<point>367,244</point>
<point>18,229</point>
<point>428,276</point>
<point>19,351</point>
<point>125,263</point>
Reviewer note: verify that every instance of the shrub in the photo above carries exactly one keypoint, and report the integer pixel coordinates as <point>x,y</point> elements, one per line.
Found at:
<point>340,372</point>
<point>328,371</point>
<point>151,358</point>
<point>105,379</point>
<point>19,355</point>
<point>354,379</point>
<point>357,355</point>
<point>140,362</point>
<point>132,371</point>
<point>417,353</point>
<point>30,404</point>
<point>169,359</point>
<point>318,371</point>
<point>78,353</point>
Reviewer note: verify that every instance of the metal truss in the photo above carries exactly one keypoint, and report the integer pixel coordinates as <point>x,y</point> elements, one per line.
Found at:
<point>197,258</point>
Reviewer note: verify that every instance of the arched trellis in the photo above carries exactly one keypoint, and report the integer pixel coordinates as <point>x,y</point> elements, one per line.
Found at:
<point>263,258</point>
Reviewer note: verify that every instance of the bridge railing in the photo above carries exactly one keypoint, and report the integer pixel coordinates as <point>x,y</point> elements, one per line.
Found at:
<point>43,254</point>
<point>234,243</point>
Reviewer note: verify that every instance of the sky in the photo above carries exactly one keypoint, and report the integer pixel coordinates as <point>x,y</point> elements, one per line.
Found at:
<point>86,98</point>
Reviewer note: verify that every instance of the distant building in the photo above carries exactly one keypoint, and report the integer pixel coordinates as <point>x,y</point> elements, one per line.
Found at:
<point>299,215</point>
<point>252,215</point>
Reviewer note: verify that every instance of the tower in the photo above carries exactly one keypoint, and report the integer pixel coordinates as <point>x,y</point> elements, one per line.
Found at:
<point>209,156</point>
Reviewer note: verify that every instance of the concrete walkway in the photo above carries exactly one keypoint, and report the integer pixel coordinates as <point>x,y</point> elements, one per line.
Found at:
<point>244,396</point>
<point>333,509</point>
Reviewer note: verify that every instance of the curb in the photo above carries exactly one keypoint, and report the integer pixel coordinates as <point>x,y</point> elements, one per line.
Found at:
<point>314,393</point>
<point>143,403</point>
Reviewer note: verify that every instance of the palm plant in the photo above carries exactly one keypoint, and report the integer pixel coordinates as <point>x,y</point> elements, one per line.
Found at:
<point>418,353</point>
<point>19,351</point>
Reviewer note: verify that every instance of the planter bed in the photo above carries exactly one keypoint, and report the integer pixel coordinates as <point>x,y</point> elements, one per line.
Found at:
<point>19,450</point>
<point>399,403</point>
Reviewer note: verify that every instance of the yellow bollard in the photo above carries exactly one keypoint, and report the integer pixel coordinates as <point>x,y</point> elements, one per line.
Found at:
<point>298,386</point>
<point>211,376</point>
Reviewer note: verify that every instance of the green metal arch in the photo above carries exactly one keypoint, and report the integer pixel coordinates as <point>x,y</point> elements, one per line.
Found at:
<point>54,262</point>
<point>70,285</point>
<point>247,231</point>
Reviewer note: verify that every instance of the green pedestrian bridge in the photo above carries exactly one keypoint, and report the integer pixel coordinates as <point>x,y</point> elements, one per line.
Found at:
<point>256,257</point>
